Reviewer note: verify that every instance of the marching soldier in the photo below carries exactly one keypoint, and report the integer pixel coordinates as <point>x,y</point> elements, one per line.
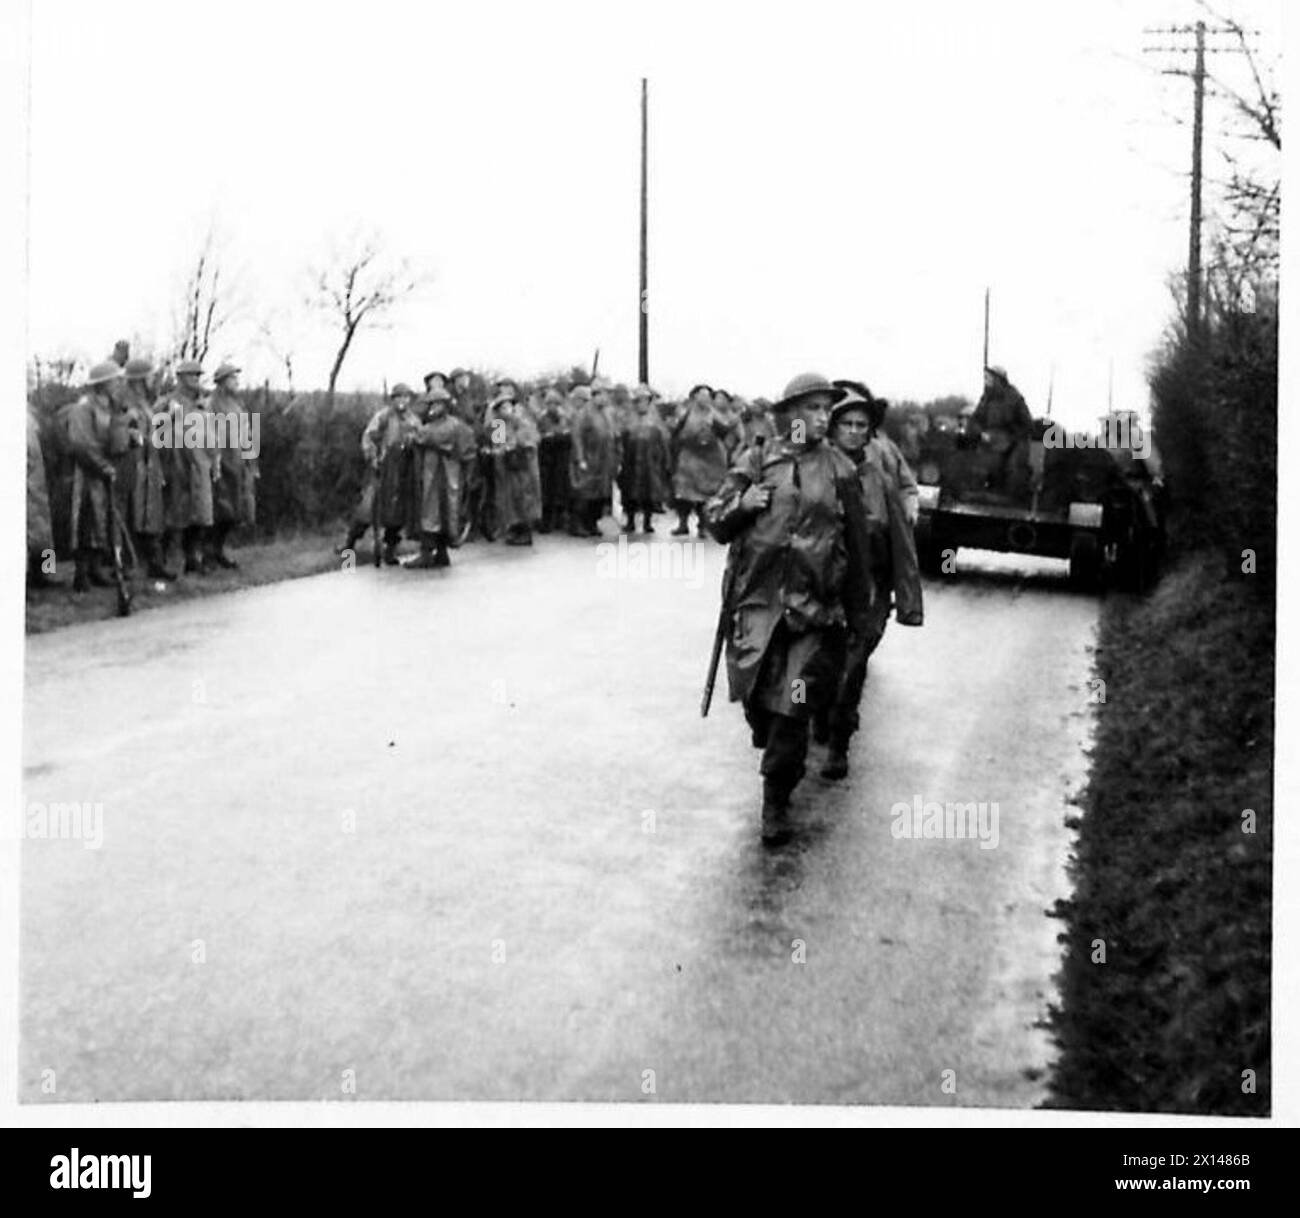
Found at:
<point>890,499</point>
<point>644,476</point>
<point>94,440</point>
<point>797,579</point>
<point>193,465</point>
<point>142,485</point>
<point>442,447</point>
<point>700,457</point>
<point>236,491</point>
<point>385,446</point>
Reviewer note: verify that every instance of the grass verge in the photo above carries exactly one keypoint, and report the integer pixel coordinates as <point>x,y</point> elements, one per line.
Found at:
<point>264,562</point>
<point>1167,882</point>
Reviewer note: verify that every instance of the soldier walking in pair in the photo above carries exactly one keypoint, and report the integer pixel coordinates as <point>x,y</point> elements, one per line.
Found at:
<point>798,580</point>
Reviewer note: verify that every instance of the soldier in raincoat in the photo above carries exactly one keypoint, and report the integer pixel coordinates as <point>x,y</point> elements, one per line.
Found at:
<point>141,479</point>
<point>699,456</point>
<point>728,410</point>
<point>891,501</point>
<point>192,465</point>
<point>385,445</point>
<point>236,491</point>
<point>442,447</point>
<point>95,439</point>
<point>555,442</point>
<point>645,474</point>
<point>40,530</point>
<point>512,439</point>
<point>797,580</point>
<point>1002,422</point>
<point>753,421</point>
<point>593,459</point>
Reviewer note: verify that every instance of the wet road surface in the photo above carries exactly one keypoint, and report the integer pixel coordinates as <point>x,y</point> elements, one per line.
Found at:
<point>463,835</point>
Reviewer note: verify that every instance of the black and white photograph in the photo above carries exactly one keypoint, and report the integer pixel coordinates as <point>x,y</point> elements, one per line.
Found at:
<point>583,558</point>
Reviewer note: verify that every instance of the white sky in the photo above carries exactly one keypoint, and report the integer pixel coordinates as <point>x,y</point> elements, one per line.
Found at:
<point>832,185</point>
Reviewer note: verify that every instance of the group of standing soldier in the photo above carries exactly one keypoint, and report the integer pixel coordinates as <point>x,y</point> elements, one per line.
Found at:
<point>141,473</point>
<point>454,458</point>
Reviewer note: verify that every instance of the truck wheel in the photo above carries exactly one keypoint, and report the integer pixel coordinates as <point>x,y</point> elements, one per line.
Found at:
<point>1085,562</point>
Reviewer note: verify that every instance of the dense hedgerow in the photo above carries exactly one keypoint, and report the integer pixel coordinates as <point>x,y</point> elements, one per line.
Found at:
<point>1173,863</point>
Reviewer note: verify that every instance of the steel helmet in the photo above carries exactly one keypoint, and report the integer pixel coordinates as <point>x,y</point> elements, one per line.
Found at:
<point>806,384</point>
<point>101,374</point>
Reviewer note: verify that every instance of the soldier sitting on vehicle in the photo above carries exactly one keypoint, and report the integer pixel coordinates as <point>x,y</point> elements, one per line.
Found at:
<point>1002,423</point>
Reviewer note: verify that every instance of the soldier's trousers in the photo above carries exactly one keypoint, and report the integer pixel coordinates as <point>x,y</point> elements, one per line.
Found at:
<point>784,741</point>
<point>795,683</point>
<point>553,470</point>
<point>840,719</point>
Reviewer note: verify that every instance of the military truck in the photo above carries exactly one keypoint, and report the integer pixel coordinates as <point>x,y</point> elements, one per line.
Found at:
<point>1100,508</point>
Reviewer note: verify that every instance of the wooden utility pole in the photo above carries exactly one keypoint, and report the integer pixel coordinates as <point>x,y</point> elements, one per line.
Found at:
<point>1197,74</point>
<point>1194,235</point>
<point>986,332</point>
<point>643,300</point>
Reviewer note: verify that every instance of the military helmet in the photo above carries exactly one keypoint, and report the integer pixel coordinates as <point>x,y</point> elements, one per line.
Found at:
<point>429,376</point>
<point>437,394</point>
<point>138,368</point>
<point>581,392</point>
<point>999,371</point>
<point>189,367</point>
<point>226,369</point>
<point>858,395</point>
<point>401,390</point>
<point>102,374</point>
<point>806,384</point>
<point>695,389</point>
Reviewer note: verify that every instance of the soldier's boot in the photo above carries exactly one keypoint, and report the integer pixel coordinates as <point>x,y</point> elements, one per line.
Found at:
<point>154,557</point>
<point>36,575</point>
<point>837,761</point>
<point>776,812</point>
<point>165,544</point>
<point>391,538</point>
<point>194,561</point>
<point>425,559</point>
<point>647,527</point>
<point>219,556</point>
<point>96,577</point>
<point>519,535</point>
<point>440,556</point>
<point>821,730</point>
<point>683,527</point>
<point>350,543</point>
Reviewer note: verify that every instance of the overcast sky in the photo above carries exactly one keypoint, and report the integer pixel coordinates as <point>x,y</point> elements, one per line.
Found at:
<point>832,186</point>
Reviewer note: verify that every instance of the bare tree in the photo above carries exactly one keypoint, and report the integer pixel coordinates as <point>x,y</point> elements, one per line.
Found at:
<point>1246,247</point>
<point>360,288</point>
<point>207,305</point>
<point>278,338</point>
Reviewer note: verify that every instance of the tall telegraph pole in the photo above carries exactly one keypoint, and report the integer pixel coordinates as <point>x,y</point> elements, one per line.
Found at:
<point>643,303</point>
<point>1197,75</point>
